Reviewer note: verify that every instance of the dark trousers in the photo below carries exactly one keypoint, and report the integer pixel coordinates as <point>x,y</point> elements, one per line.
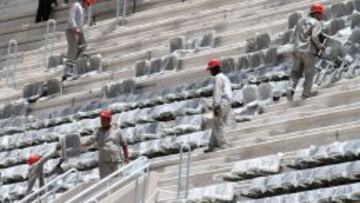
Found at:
<point>44,11</point>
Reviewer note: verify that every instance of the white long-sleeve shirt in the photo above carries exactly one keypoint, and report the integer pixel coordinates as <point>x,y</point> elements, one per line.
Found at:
<point>222,90</point>
<point>76,17</point>
<point>307,33</point>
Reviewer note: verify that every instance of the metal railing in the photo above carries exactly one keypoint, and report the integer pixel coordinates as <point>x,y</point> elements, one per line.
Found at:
<point>107,186</point>
<point>182,193</point>
<point>49,40</point>
<point>49,189</point>
<point>118,10</point>
<point>11,63</point>
<point>89,15</point>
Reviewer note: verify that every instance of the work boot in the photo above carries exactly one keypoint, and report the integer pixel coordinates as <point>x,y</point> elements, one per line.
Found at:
<point>208,150</point>
<point>311,94</point>
<point>290,94</point>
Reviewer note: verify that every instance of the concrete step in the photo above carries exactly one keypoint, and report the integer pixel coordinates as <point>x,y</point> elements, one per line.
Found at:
<point>246,150</point>
<point>134,35</point>
<point>126,73</point>
<point>203,57</point>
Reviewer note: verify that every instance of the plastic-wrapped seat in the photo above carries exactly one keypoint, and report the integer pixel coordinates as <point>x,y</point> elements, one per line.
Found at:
<point>228,65</point>
<point>257,167</point>
<point>14,174</point>
<point>355,36</point>
<point>257,59</point>
<point>177,43</point>
<point>338,10</point>
<point>144,116</point>
<point>5,143</point>
<point>271,57</point>
<point>265,92</point>
<point>237,99</point>
<point>250,93</point>
<point>350,7</point>
<point>127,119</point>
<point>193,107</point>
<point>208,40</point>
<point>194,140</point>
<point>289,181</point>
<point>243,62</point>
<point>258,187</point>
<point>293,19</point>
<point>262,41</point>
<point>149,131</point>
<point>335,26</point>
<point>353,147</point>
<point>130,135</point>
<point>70,145</point>
<point>170,63</point>
<point>84,161</point>
<point>304,158</point>
<point>152,148</point>
<point>166,112</point>
<point>214,193</point>
<point>34,89</point>
<point>355,192</point>
<point>184,125</point>
<point>286,36</point>
<point>274,185</point>
<point>155,65</point>
<point>67,128</point>
<point>355,20</point>
<point>142,68</point>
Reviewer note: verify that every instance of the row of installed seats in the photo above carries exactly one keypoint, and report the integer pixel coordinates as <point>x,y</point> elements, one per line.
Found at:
<point>259,56</point>
<point>274,176</point>
<point>346,36</point>
<point>136,128</point>
<point>17,20</point>
<point>141,53</point>
<point>266,67</point>
<point>33,36</point>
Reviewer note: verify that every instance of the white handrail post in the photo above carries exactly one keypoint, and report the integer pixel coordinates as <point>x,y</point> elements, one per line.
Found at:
<point>118,10</point>
<point>183,194</point>
<point>108,185</point>
<point>124,13</point>
<point>45,188</point>
<point>50,35</point>
<point>11,63</point>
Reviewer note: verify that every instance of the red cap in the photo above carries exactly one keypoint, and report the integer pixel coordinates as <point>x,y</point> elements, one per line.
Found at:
<point>32,158</point>
<point>105,113</point>
<point>317,8</point>
<point>213,63</point>
<point>89,2</point>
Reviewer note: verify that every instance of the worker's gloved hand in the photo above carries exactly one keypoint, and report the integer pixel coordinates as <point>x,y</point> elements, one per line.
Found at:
<point>216,111</point>
<point>77,30</point>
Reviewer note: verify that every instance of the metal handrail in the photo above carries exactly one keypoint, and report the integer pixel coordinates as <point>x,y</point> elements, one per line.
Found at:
<point>11,63</point>
<point>46,187</point>
<point>183,194</point>
<point>105,186</point>
<point>50,31</point>
<point>136,174</point>
<point>118,12</point>
<point>89,15</point>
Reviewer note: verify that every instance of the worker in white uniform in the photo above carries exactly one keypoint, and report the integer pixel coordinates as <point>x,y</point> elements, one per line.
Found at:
<point>75,29</point>
<point>307,45</point>
<point>36,164</point>
<point>222,95</point>
<point>113,149</point>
